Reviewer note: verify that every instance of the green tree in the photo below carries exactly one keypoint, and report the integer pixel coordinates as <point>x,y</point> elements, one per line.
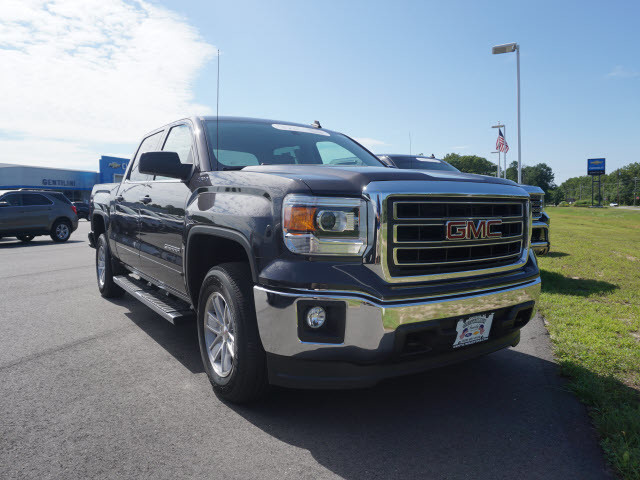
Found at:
<point>541,175</point>
<point>618,182</point>
<point>471,164</point>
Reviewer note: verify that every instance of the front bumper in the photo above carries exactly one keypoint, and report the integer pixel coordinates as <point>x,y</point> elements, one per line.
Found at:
<point>381,339</point>
<point>540,238</point>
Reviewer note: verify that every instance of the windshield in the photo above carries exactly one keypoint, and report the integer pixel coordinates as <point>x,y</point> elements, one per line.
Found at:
<point>245,143</point>
<point>421,163</point>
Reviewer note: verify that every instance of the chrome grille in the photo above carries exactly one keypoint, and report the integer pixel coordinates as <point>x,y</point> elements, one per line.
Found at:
<point>537,206</point>
<point>417,243</point>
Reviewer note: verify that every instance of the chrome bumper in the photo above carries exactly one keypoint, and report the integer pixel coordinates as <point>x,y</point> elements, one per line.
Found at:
<point>370,324</point>
<point>540,238</point>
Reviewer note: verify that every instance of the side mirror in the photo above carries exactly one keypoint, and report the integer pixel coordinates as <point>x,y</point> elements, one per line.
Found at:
<point>4,204</point>
<point>164,164</point>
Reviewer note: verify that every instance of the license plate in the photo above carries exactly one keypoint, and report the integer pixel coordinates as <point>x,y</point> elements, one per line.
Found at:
<point>473,329</point>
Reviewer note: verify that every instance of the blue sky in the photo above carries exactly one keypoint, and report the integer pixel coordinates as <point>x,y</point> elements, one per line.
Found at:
<point>379,71</point>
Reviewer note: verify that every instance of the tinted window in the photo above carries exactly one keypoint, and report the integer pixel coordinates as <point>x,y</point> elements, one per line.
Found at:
<point>61,196</point>
<point>257,143</point>
<point>422,163</point>
<point>13,199</point>
<point>149,144</point>
<point>179,141</point>
<point>34,199</point>
<point>402,162</point>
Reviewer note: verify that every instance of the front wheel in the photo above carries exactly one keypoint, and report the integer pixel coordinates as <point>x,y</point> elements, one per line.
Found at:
<point>104,270</point>
<point>228,334</point>
<point>61,231</point>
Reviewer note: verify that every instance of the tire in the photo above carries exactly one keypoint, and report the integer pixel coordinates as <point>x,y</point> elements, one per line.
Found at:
<point>61,231</point>
<point>25,238</point>
<point>239,377</point>
<point>104,270</point>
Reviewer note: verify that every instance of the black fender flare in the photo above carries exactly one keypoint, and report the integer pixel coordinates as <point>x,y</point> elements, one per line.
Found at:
<point>219,232</point>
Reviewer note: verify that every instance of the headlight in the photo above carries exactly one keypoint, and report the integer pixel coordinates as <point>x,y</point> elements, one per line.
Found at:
<point>324,225</point>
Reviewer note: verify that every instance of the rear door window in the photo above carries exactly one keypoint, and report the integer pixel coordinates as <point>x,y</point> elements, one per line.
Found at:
<point>35,199</point>
<point>13,199</point>
<point>149,144</point>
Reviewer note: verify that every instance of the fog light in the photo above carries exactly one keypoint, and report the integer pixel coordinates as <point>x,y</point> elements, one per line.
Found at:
<point>316,317</point>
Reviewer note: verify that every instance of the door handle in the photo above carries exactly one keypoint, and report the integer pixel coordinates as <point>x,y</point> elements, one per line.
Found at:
<point>146,199</point>
<point>119,198</point>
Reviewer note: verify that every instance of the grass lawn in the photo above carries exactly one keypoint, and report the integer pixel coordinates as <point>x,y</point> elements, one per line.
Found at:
<point>591,301</point>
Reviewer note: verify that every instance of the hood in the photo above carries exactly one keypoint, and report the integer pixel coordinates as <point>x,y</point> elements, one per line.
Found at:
<point>532,190</point>
<point>349,180</point>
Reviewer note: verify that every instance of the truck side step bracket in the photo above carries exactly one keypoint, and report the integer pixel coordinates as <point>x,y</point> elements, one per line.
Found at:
<point>170,308</point>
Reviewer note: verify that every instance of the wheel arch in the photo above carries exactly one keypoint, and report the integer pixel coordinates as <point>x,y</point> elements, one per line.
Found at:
<point>98,224</point>
<point>202,241</point>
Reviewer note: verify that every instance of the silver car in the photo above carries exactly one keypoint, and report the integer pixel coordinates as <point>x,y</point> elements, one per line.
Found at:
<point>27,213</point>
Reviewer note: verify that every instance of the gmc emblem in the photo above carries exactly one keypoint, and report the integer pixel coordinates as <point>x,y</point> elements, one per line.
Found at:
<point>467,229</point>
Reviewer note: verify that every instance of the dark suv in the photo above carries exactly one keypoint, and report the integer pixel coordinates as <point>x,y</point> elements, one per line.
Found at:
<point>83,209</point>
<point>27,213</point>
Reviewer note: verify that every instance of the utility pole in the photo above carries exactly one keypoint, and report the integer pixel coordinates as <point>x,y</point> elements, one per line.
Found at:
<point>580,191</point>
<point>618,187</point>
<point>635,190</point>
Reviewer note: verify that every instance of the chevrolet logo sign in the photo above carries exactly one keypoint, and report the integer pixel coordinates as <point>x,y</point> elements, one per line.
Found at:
<point>114,165</point>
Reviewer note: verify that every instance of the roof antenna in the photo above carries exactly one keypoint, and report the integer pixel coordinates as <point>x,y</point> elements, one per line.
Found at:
<point>218,111</point>
<point>316,124</point>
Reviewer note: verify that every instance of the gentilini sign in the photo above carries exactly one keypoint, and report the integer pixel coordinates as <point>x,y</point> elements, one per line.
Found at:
<point>49,182</point>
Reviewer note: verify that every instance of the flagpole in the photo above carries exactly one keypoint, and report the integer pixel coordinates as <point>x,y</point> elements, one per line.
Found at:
<point>505,153</point>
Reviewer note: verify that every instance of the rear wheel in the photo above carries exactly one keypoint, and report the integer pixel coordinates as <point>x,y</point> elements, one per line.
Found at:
<point>25,238</point>
<point>228,334</point>
<point>104,270</point>
<point>61,231</point>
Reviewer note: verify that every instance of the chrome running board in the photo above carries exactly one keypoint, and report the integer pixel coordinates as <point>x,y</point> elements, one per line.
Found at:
<point>170,308</point>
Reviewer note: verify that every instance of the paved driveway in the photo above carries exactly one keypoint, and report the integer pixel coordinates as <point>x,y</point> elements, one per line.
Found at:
<point>91,388</point>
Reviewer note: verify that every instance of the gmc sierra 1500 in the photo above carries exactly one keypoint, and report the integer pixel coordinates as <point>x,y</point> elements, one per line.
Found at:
<point>306,261</point>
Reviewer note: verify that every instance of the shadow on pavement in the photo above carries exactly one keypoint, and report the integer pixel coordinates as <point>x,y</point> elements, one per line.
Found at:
<point>503,416</point>
<point>8,242</point>
<point>180,340</point>
<point>494,417</point>
<point>553,282</point>
<point>554,254</point>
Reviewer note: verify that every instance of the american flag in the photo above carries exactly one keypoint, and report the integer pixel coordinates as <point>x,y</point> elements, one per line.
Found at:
<point>501,143</point>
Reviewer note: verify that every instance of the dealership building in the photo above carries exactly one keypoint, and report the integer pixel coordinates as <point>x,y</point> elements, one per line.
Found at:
<point>75,184</point>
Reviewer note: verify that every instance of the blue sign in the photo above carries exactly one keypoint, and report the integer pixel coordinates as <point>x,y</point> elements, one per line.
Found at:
<point>595,166</point>
<point>112,169</point>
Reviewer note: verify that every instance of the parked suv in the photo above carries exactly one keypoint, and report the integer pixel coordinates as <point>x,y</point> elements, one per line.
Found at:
<point>26,214</point>
<point>83,209</point>
<point>307,261</point>
<point>540,242</point>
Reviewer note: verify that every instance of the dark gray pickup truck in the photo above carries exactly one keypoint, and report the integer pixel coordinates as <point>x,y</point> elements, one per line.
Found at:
<point>309,263</point>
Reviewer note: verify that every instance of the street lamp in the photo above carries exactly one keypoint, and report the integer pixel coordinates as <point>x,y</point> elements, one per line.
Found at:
<point>509,48</point>
<point>498,172</point>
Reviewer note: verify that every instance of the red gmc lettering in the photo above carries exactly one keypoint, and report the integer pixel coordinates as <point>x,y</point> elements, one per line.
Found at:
<point>491,223</point>
<point>460,232</point>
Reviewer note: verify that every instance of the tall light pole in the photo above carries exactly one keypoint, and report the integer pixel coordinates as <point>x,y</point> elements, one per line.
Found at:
<point>498,172</point>
<point>504,171</point>
<point>508,48</point>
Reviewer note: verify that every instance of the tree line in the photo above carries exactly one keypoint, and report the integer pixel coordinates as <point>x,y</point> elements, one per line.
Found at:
<point>623,182</point>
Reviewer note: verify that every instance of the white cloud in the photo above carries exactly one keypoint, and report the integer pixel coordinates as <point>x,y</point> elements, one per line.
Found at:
<point>83,72</point>
<point>370,143</point>
<point>621,72</point>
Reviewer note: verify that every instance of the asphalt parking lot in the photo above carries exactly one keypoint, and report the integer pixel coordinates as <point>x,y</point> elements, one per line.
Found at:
<point>91,388</point>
